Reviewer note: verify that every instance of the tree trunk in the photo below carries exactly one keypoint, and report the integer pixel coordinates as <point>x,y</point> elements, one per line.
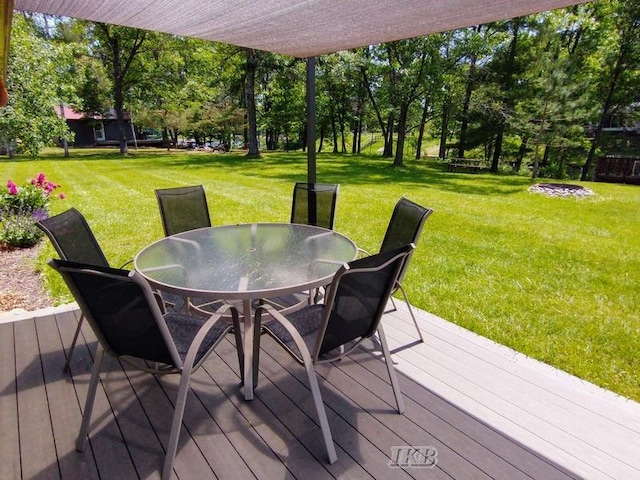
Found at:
<point>521,152</point>
<point>444,129</point>
<point>388,139</point>
<point>271,139</point>
<point>250,99</point>
<point>464,126</point>
<point>321,141</point>
<point>354,141</point>
<point>65,145</point>
<point>165,139</point>
<point>402,133</point>
<point>508,88</point>
<point>334,129</point>
<point>423,121</point>
<point>122,132</point>
<point>375,107</point>
<point>357,134</point>
<point>497,150</point>
<point>545,155</point>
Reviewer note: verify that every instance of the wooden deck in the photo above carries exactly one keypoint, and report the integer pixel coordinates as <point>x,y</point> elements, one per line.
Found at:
<point>489,412</point>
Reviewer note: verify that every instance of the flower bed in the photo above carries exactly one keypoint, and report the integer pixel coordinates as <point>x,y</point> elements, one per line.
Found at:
<point>21,207</point>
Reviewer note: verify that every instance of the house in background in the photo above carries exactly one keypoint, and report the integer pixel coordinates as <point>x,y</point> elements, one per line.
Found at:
<point>94,130</point>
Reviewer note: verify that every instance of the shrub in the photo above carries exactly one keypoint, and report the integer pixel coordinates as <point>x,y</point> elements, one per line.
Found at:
<point>20,209</point>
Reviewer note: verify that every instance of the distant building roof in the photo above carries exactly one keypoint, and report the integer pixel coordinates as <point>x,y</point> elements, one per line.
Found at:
<point>71,114</point>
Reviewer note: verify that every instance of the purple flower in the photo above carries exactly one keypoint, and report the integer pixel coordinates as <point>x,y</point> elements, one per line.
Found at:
<point>39,214</point>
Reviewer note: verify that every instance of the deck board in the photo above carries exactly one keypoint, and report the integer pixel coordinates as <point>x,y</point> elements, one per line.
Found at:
<point>37,433</point>
<point>596,434</point>
<point>9,439</point>
<point>490,412</point>
<point>64,405</point>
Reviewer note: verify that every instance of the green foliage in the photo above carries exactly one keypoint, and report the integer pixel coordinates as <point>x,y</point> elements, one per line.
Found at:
<point>29,122</point>
<point>544,82</point>
<point>19,231</point>
<point>21,207</point>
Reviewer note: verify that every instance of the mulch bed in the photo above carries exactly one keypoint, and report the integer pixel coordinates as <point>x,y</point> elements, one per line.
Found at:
<point>20,284</point>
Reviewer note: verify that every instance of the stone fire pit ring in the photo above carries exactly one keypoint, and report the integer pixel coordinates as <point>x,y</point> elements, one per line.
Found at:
<point>561,190</point>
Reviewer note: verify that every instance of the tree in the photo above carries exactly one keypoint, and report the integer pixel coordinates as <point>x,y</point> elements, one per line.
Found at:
<point>117,47</point>
<point>552,102</point>
<point>282,101</point>
<point>29,119</point>
<point>618,81</point>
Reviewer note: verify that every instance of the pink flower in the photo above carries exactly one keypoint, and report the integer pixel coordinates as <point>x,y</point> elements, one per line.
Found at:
<point>62,196</point>
<point>13,188</point>
<point>48,187</point>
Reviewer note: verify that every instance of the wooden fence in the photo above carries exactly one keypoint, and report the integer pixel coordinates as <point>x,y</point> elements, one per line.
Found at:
<point>618,170</point>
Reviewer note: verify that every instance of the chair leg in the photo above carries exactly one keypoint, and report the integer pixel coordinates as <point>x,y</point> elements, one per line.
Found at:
<point>237,333</point>
<point>176,424</point>
<point>413,317</point>
<point>73,344</point>
<point>322,414</point>
<point>81,441</point>
<point>392,371</point>
<point>311,375</point>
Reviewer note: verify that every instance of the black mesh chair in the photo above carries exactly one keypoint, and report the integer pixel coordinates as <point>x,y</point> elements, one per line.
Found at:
<point>314,204</point>
<point>74,241</point>
<point>183,209</point>
<point>355,303</point>
<point>405,227</point>
<point>125,317</point>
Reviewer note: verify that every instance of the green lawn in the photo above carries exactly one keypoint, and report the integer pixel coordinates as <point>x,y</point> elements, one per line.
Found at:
<point>555,278</point>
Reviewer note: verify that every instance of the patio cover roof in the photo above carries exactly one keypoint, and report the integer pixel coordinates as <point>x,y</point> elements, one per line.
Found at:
<point>302,28</point>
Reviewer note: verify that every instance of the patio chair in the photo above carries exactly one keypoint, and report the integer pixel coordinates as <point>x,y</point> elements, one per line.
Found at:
<point>314,204</point>
<point>355,303</point>
<point>121,309</point>
<point>74,241</point>
<point>183,209</point>
<point>405,226</point>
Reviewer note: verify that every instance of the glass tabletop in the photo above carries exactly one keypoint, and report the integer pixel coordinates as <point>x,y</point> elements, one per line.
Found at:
<point>245,261</point>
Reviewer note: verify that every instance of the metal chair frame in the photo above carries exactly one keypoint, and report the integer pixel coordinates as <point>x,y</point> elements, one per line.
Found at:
<point>184,366</point>
<point>66,230</point>
<point>312,352</point>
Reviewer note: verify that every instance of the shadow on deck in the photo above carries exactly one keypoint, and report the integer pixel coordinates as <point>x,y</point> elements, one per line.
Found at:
<point>485,411</point>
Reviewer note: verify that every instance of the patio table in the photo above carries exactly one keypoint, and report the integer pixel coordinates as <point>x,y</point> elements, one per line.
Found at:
<point>245,263</point>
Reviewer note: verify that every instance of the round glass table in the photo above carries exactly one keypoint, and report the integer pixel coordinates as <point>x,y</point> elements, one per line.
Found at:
<point>245,262</point>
